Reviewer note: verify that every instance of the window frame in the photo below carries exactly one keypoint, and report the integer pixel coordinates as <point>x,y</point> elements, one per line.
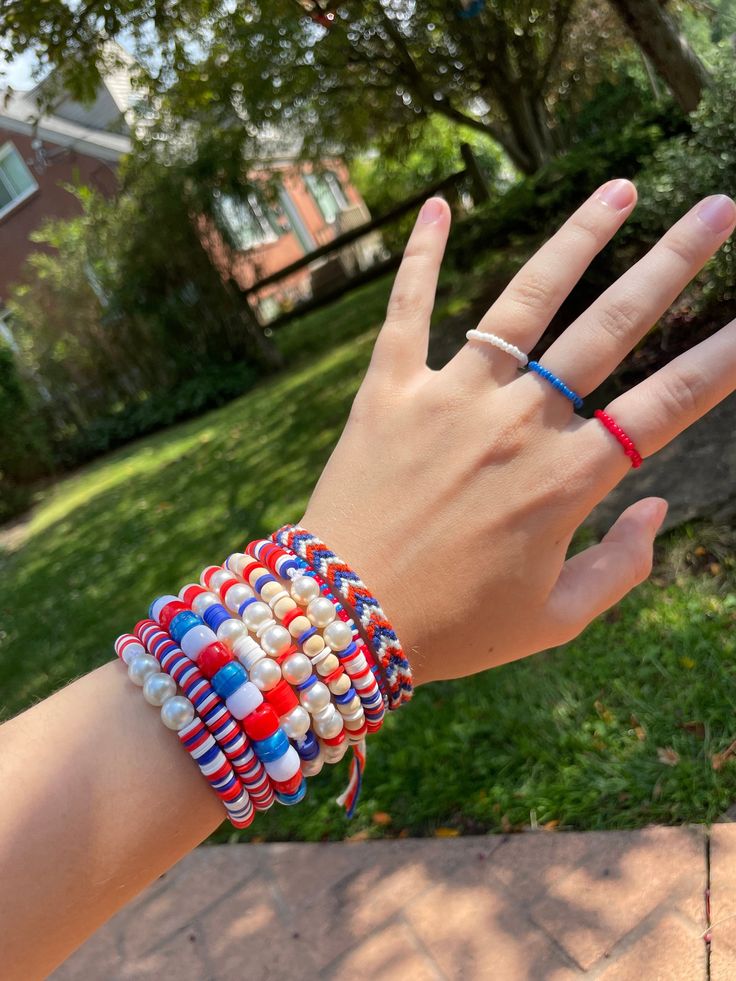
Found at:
<point>6,150</point>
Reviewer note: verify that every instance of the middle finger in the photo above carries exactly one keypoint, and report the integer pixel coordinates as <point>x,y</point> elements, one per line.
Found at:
<point>588,351</point>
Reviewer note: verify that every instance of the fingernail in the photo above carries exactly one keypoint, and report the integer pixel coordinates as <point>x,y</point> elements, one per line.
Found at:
<point>658,512</point>
<point>432,210</point>
<point>717,212</point>
<point>617,194</point>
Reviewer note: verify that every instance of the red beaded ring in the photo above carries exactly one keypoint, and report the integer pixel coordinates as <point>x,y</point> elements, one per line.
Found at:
<point>626,441</point>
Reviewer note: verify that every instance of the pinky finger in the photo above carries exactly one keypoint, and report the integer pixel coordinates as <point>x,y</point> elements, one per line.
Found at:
<point>594,580</point>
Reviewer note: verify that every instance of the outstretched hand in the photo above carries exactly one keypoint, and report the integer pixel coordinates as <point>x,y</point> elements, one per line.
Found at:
<point>455,493</point>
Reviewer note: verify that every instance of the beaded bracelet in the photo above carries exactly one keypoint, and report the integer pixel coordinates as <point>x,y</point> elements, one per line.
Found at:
<point>242,698</point>
<point>178,714</point>
<point>212,711</point>
<point>345,641</point>
<point>381,635</point>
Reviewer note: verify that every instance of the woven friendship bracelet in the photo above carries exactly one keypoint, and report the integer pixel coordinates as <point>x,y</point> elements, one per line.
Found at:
<point>625,440</point>
<point>381,635</point>
<point>495,341</point>
<point>556,382</point>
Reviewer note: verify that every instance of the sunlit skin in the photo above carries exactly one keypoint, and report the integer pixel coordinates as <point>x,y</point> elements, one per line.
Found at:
<point>455,493</point>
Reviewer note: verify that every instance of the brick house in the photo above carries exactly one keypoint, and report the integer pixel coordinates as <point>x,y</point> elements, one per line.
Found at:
<point>303,208</point>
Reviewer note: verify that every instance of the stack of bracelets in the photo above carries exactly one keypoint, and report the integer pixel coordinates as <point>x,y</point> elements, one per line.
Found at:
<point>264,675</point>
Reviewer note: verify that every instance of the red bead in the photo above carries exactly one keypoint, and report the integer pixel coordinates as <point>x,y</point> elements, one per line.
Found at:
<point>291,615</point>
<point>289,786</point>
<point>262,722</point>
<point>335,740</point>
<point>251,567</point>
<point>228,585</point>
<point>282,698</point>
<point>169,611</point>
<point>192,592</point>
<point>209,572</point>
<point>334,675</point>
<point>214,657</point>
<point>289,651</point>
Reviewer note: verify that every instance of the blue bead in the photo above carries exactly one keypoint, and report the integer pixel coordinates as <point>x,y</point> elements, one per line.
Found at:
<point>181,623</point>
<point>262,580</point>
<point>307,746</point>
<point>245,604</point>
<point>271,748</point>
<point>215,615</point>
<point>306,635</point>
<point>208,756</point>
<point>289,799</point>
<point>229,678</point>
<point>347,697</point>
<point>286,567</point>
<point>311,680</point>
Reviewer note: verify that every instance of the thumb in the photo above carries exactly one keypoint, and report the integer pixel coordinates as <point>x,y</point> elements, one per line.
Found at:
<point>594,580</point>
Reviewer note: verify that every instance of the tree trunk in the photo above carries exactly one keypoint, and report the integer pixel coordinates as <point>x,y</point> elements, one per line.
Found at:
<point>659,38</point>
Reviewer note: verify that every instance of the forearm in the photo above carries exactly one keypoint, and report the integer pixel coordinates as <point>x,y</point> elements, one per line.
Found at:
<point>98,800</point>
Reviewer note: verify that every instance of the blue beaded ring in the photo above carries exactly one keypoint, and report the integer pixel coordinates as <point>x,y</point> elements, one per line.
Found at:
<point>556,383</point>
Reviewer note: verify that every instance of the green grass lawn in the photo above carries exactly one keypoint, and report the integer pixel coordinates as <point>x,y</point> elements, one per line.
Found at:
<point>618,729</point>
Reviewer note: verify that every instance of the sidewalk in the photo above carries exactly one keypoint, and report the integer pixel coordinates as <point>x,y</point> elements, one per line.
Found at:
<point>542,906</point>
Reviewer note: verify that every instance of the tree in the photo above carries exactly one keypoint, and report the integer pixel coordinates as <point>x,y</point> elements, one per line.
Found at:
<point>380,64</point>
<point>658,36</point>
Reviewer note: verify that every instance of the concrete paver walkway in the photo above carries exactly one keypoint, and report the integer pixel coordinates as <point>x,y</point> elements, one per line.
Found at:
<point>541,906</point>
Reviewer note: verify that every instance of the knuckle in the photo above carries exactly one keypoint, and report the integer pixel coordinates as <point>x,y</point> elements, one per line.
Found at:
<point>619,318</point>
<point>532,292</point>
<point>681,392</point>
<point>587,228</point>
<point>679,248</point>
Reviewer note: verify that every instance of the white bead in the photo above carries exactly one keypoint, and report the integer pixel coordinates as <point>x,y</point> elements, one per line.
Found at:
<point>333,754</point>
<point>257,613</point>
<point>160,604</point>
<point>158,687</point>
<point>237,595</point>
<point>296,723</point>
<point>218,579</point>
<point>296,669</point>
<point>276,640</point>
<point>321,611</point>
<point>247,651</point>
<point>244,700</point>
<point>315,698</point>
<point>230,631</point>
<point>132,651</point>
<point>304,589</point>
<point>285,767</point>
<point>265,674</point>
<point>177,712</point>
<point>140,667</point>
<point>203,602</point>
<point>338,635</point>
<point>310,768</point>
<point>195,640</point>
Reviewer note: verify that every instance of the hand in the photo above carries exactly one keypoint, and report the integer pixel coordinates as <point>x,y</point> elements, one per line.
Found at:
<point>455,493</point>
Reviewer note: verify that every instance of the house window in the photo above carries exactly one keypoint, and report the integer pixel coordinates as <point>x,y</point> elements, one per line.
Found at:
<point>328,194</point>
<point>250,220</point>
<point>16,180</point>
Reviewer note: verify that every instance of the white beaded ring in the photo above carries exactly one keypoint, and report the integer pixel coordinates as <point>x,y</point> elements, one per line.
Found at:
<point>500,343</point>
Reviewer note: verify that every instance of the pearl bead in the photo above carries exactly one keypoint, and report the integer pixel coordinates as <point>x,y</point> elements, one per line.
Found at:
<point>310,768</point>
<point>158,687</point>
<point>298,625</point>
<point>304,589</point>
<point>237,595</point>
<point>327,665</point>
<point>177,712</point>
<point>203,602</point>
<point>276,640</point>
<point>338,635</point>
<point>329,727</point>
<point>218,579</point>
<point>141,667</point>
<point>256,613</point>
<point>230,631</point>
<point>237,562</point>
<point>132,651</point>
<point>296,723</point>
<point>265,674</point>
<point>315,698</point>
<point>296,669</point>
<point>320,611</point>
